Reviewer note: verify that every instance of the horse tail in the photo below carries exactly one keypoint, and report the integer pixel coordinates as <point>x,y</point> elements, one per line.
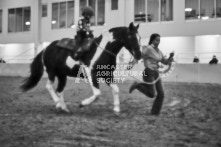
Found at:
<point>36,72</point>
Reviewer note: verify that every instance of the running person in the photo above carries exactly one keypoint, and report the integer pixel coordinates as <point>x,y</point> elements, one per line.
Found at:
<point>152,55</point>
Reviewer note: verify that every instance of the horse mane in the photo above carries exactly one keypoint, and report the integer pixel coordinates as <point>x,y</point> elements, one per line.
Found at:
<point>119,32</point>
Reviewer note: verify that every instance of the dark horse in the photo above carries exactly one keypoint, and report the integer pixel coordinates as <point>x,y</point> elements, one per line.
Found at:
<point>54,59</point>
<point>105,63</point>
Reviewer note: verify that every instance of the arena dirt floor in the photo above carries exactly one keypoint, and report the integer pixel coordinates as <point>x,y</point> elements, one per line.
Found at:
<point>190,117</point>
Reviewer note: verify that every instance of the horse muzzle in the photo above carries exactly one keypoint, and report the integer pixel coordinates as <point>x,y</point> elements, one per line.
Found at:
<point>136,54</point>
<point>77,56</point>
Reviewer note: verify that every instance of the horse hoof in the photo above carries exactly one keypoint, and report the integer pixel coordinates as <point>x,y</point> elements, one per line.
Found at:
<point>117,113</point>
<point>66,110</point>
<point>61,110</point>
<point>81,106</point>
<point>58,106</point>
<point>116,110</point>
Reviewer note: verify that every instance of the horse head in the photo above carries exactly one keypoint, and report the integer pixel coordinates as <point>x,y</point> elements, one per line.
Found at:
<point>128,36</point>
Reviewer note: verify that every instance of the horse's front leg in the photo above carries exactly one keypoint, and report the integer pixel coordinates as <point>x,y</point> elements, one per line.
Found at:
<point>62,104</point>
<point>56,99</point>
<point>88,101</point>
<point>60,93</point>
<point>95,88</point>
<point>115,92</point>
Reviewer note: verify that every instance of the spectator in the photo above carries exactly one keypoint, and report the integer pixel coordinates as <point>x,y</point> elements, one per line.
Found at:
<point>2,60</point>
<point>196,59</point>
<point>214,60</point>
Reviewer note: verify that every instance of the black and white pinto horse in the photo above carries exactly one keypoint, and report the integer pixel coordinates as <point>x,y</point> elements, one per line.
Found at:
<point>54,59</point>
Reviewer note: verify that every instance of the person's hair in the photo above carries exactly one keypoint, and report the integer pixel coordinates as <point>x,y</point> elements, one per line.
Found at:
<point>88,10</point>
<point>153,37</point>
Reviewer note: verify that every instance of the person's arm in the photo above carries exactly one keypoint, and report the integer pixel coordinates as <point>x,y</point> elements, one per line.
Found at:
<point>166,61</point>
<point>80,24</point>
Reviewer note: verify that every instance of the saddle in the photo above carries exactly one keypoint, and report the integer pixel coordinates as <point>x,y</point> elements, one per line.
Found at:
<point>72,44</point>
<point>67,43</point>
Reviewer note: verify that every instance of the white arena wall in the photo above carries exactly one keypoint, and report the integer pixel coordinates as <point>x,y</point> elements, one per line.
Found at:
<point>185,49</point>
<point>186,38</point>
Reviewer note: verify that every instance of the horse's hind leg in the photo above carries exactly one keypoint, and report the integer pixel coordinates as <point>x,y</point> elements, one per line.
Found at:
<point>49,87</point>
<point>60,91</point>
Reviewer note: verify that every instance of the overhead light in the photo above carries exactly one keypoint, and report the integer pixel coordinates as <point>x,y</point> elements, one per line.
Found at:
<point>53,21</point>
<point>140,12</point>
<point>188,9</point>
<point>73,26</point>
<point>27,23</point>
<point>205,17</point>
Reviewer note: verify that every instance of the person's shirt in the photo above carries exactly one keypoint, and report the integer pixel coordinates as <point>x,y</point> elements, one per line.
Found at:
<point>84,24</point>
<point>152,57</point>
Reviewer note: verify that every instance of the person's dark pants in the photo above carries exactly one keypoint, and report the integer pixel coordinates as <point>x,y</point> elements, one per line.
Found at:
<point>152,90</point>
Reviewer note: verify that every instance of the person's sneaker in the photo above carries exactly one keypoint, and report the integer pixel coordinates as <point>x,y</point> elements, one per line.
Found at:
<point>133,86</point>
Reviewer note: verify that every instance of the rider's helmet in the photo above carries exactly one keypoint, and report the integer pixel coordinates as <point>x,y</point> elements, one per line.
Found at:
<point>87,11</point>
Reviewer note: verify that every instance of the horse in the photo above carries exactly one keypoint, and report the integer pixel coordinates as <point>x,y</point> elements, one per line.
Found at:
<point>54,59</point>
<point>127,37</point>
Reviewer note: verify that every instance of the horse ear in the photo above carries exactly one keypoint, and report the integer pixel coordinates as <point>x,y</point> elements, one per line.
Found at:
<point>131,26</point>
<point>98,40</point>
<point>137,26</point>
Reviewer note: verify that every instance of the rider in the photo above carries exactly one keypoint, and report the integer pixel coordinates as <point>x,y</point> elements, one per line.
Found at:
<point>84,33</point>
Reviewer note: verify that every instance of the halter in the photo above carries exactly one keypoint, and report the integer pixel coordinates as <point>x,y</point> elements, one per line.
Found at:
<point>109,52</point>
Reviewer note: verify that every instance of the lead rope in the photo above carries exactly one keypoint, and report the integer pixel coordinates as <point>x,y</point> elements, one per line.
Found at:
<point>130,62</point>
<point>166,72</point>
<point>148,83</point>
